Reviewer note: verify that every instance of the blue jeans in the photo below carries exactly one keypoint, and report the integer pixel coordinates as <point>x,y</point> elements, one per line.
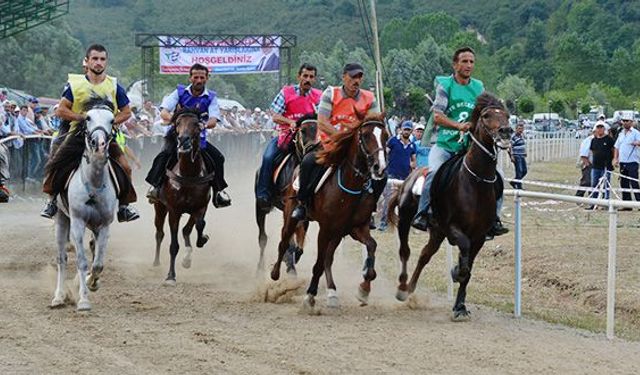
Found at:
<point>596,174</point>
<point>263,190</point>
<point>437,157</point>
<point>520,164</point>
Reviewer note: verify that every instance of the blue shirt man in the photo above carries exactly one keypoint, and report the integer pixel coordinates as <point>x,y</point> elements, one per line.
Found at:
<point>402,153</point>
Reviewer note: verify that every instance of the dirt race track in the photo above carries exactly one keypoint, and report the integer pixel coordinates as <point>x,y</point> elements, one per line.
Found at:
<point>216,320</point>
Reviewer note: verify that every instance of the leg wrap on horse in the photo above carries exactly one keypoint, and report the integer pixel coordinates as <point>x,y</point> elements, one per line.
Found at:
<point>123,174</point>
<point>215,158</point>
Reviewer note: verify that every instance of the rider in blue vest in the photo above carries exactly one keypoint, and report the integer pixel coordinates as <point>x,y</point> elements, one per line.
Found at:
<point>196,96</point>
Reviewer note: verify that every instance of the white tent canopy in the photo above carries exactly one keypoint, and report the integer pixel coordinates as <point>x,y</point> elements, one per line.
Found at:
<point>227,104</point>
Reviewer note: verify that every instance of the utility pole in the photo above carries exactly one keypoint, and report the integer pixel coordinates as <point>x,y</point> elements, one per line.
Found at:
<point>376,52</point>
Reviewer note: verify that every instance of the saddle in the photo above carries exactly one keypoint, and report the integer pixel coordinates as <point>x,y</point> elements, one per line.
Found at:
<point>445,174</point>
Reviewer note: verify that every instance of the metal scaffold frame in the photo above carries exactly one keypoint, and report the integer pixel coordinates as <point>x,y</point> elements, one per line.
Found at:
<point>19,15</point>
<point>149,42</point>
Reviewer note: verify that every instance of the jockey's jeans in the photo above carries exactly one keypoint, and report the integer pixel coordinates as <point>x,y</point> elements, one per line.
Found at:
<point>263,190</point>
<point>437,157</point>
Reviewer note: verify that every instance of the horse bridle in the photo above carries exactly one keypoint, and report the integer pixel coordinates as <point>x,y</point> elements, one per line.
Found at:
<point>493,155</point>
<point>298,139</point>
<point>200,126</point>
<point>108,133</point>
<point>369,156</point>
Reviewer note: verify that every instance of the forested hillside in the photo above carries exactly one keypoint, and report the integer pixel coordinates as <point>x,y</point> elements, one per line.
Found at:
<point>552,53</point>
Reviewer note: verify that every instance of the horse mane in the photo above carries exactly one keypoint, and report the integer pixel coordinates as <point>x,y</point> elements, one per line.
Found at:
<point>342,141</point>
<point>97,101</point>
<point>184,111</point>
<point>485,100</point>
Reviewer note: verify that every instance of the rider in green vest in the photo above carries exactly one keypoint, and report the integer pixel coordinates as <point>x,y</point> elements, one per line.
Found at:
<point>455,99</point>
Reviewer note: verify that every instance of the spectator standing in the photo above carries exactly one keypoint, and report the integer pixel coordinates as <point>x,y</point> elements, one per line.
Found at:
<point>627,156</point>
<point>518,154</point>
<point>402,160</point>
<point>422,152</point>
<point>602,149</point>
<point>585,160</point>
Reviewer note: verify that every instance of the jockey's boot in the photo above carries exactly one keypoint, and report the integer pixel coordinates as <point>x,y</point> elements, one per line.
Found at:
<point>153,195</point>
<point>300,212</point>
<point>422,221</point>
<point>263,203</point>
<point>49,209</point>
<point>127,213</point>
<point>221,199</point>
<point>498,229</point>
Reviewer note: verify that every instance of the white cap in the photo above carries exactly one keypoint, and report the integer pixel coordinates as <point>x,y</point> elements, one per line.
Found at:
<point>257,109</point>
<point>626,115</point>
<point>601,123</point>
<point>419,126</point>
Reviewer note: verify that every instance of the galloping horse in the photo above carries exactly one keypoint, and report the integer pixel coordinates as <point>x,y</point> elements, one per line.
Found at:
<point>304,140</point>
<point>465,190</point>
<point>344,203</point>
<point>186,191</point>
<point>89,202</point>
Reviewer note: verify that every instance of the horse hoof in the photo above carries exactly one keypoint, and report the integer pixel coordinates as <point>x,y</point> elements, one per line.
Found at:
<point>402,295</point>
<point>462,315</point>
<point>83,306</point>
<point>275,274</point>
<point>332,299</point>
<point>309,304</point>
<point>57,302</point>
<point>94,286</point>
<point>170,283</point>
<point>202,241</point>
<point>362,296</point>
<point>186,263</point>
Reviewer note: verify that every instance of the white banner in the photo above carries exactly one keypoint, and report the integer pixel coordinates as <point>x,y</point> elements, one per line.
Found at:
<point>220,58</point>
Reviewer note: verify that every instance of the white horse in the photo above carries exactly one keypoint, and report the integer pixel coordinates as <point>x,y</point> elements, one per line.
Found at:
<point>91,204</point>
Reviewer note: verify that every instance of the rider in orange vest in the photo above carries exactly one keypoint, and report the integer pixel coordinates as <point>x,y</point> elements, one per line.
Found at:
<point>337,110</point>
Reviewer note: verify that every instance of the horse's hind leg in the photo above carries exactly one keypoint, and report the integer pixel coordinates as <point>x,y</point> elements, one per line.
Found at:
<point>101,239</point>
<point>404,226</point>
<point>62,238</point>
<point>77,236</point>
<point>186,234</point>
<point>174,222</point>
<point>435,239</point>
<point>161,214</point>
<point>262,235</point>
<point>363,235</point>
<point>200,223</point>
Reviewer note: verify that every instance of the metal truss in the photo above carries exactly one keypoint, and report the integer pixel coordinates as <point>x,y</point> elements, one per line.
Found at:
<point>19,15</point>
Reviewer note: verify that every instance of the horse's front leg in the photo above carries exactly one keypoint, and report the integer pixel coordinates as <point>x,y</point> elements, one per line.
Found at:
<point>404,252</point>
<point>460,312</point>
<point>174,222</point>
<point>62,238</point>
<point>77,237</point>
<point>102,237</point>
<point>363,235</point>
<point>161,214</point>
<point>186,234</point>
<point>324,240</point>
<point>288,228</point>
<point>332,294</point>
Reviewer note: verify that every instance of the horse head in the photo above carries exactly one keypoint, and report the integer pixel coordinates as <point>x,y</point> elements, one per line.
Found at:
<point>187,127</point>
<point>372,143</point>
<point>490,123</point>
<point>307,132</point>
<point>98,123</point>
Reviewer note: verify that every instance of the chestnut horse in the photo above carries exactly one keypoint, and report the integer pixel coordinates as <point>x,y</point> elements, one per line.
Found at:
<point>344,203</point>
<point>186,191</point>
<point>303,141</point>
<point>465,190</point>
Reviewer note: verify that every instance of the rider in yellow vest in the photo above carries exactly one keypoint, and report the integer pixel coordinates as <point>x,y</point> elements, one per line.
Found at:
<point>79,90</point>
<point>337,110</point>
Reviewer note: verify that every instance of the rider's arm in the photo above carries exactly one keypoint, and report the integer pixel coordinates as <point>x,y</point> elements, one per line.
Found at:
<point>64,111</point>
<point>277,109</point>
<point>440,104</point>
<point>167,106</point>
<point>280,119</point>
<point>324,112</point>
<point>442,120</point>
<point>123,115</point>
<point>214,114</point>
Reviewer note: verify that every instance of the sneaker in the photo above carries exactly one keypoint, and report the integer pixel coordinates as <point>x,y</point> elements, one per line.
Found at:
<point>153,195</point>
<point>299,213</point>
<point>127,213</point>
<point>221,199</point>
<point>49,210</point>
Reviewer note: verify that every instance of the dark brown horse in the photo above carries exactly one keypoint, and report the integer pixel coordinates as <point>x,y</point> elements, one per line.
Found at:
<point>186,191</point>
<point>465,190</point>
<point>303,141</point>
<point>344,203</point>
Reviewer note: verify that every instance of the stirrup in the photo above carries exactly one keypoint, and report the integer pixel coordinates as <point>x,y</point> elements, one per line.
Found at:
<point>221,199</point>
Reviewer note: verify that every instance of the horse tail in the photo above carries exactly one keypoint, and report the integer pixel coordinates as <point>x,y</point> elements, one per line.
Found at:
<point>394,200</point>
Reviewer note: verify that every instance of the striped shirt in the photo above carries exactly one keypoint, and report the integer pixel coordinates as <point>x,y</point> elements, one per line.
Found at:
<point>518,147</point>
<point>278,105</point>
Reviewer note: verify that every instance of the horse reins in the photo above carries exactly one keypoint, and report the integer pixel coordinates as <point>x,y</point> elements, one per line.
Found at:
<point>493,155</point>
<point>368,156</point>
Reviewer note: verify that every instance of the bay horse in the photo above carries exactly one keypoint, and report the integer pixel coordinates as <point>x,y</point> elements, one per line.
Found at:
<point>343,204</point>
<point>187,190</point>
<point>304,140</point>
<point>89,202</point>
<point>465,190</point>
